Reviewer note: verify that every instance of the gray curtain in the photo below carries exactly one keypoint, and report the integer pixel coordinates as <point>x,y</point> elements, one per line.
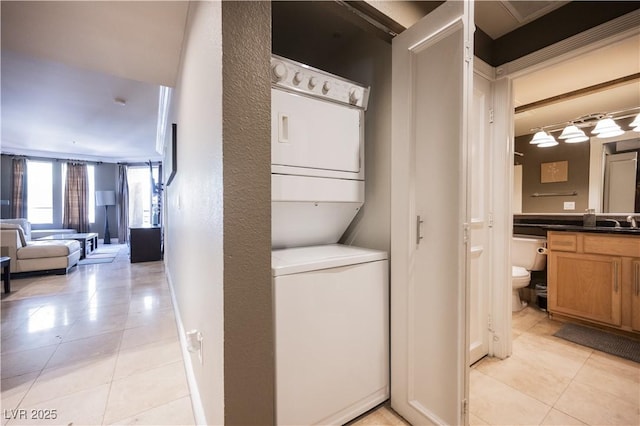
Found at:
<point>76,192</point>
<point>123,205</point>
<point>19,191</point>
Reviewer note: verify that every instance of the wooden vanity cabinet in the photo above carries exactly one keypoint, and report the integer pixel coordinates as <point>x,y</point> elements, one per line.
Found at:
<point>587,286</point>
<point>595,277</point>
<point>635,295</point>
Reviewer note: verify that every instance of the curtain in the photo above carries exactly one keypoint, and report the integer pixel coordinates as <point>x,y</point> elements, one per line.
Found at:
<point>76,189</point>
<point>123,205</point>
<point>19,191</point>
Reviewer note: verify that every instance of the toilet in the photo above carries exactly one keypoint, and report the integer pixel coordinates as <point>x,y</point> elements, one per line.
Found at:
<point>527,254</point>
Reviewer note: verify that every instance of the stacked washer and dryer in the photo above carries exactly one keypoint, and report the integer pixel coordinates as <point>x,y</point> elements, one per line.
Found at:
<point>331,301</point>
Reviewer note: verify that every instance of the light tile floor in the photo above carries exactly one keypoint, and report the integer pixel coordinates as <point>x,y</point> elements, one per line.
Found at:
<point>100,346</point>
<point>547,381</point>
<point>96,346</point>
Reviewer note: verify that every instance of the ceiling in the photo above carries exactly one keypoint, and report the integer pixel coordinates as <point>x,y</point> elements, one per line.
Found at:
<point>64,64</point>
<point>619,59</point>
<point>497,18</point>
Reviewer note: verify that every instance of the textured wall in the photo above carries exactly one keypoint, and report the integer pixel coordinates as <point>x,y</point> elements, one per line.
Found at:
<point>194,201</point>
<point>248,322</point>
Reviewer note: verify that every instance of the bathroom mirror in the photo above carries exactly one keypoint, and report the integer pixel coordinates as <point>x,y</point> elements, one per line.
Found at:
<point>602,175</point>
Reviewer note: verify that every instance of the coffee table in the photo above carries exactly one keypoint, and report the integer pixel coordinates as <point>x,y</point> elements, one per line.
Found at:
<point>88,241</point>
<point>5,263</point>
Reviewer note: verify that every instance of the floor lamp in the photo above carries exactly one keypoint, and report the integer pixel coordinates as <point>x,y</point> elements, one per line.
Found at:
<point>106,199</point>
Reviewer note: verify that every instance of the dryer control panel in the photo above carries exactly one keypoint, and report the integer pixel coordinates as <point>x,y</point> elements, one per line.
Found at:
<point>303,79</point>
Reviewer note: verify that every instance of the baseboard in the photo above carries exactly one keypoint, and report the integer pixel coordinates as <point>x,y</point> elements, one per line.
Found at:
<point>196,400</point>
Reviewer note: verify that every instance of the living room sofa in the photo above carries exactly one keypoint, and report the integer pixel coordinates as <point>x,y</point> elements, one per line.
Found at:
<point>33,255</point>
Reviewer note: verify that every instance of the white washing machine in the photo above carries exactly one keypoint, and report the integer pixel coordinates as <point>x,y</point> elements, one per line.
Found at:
<point>331,301</point>
<point>332,330</point>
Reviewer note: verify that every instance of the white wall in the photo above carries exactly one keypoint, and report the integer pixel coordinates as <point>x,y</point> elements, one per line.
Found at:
<point>218,226</point>
<point>194,200</point>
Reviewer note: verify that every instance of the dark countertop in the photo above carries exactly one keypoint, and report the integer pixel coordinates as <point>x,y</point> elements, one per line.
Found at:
<point>522,228</point>
<point>539,224</point>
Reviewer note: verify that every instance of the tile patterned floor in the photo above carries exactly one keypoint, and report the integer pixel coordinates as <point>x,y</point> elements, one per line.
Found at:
<point>551,381</point>
<point>98,346</point>
<point>547,381</point>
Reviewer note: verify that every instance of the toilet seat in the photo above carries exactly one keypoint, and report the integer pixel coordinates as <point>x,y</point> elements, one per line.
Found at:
<point>520,277</point>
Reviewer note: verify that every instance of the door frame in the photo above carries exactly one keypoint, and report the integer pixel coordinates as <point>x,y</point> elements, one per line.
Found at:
<point>487,72</point>
<point>601,36</point>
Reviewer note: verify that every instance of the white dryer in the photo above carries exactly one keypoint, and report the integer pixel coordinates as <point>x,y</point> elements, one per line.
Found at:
<point>331,301</point>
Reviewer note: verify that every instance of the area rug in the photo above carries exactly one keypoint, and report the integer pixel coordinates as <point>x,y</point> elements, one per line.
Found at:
<point>108,249</point>
<point>95,259</point>
<point>613,344</point>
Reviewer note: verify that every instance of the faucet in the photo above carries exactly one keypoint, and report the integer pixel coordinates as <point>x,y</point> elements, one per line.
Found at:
<point>632,221</point>
<point>617,224</point>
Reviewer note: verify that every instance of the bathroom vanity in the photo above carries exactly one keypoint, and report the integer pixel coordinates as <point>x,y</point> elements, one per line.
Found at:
<point>594,275</point>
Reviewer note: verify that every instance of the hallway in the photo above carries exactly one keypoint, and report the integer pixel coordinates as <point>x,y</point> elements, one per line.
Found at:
<point>96,346</point>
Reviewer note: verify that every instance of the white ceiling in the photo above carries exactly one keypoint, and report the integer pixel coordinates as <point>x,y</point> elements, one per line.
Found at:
<point>608,63</point>
<point>64,63</point>
<point>496,18</point>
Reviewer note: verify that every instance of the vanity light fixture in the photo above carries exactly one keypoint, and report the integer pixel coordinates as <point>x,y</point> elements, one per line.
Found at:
<point>635,124</point>
<point>572,134</point>
<point>551,143</point>
<point>607,128</point>
<point>542,137</point>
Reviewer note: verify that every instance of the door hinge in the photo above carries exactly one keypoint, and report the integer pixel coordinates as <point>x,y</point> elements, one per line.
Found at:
<point>491,115</point>
<point>465,406</point>
<point>490,220</point>
<point>465,233</point>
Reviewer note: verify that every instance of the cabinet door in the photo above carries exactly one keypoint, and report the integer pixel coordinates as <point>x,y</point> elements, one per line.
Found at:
<point>585,286</point>
<point>635,296</point>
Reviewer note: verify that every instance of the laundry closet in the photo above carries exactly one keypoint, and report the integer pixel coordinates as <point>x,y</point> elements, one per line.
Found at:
<point>419,180</point>
<point>330,184</point>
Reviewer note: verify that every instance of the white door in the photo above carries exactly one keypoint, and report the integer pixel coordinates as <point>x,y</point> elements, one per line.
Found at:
<point>620,183</point>
<point>432,88</point>
<point>479,167</point>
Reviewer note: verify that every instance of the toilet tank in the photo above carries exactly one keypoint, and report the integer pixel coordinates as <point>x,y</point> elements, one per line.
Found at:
<point>525,252</point>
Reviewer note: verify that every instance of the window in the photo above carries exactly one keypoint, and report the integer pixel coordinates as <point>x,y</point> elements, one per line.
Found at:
<point>143,209</point>
<point>39,192</point>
